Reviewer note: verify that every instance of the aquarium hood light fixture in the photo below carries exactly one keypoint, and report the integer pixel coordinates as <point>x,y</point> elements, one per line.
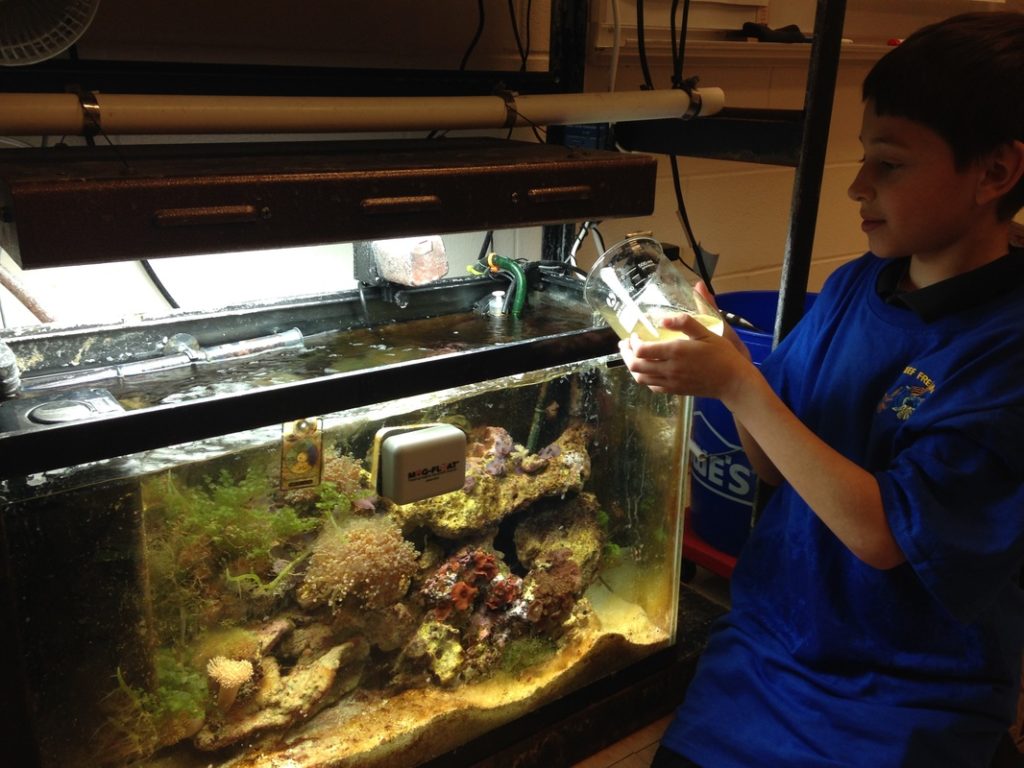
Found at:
<point>61,206</point>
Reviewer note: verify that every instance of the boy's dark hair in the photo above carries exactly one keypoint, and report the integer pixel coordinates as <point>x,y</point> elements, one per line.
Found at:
<point>964,79</point>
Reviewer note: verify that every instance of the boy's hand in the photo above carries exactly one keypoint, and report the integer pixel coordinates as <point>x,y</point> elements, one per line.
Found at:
<point>704,365</point>
<point>729,333</point>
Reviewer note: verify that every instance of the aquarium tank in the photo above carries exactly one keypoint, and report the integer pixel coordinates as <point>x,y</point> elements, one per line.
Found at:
<point>204,563</point>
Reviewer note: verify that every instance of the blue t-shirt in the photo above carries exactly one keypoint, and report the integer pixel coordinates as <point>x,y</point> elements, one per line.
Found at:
<point>826,661</point>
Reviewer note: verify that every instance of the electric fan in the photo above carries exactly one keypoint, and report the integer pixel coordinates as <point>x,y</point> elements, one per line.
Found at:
<point>36,30</point>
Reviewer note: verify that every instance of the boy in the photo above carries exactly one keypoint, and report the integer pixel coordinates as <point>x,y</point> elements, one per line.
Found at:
<point>877,618</point>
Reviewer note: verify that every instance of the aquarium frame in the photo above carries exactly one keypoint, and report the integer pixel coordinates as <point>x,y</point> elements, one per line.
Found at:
<point>107,437</point>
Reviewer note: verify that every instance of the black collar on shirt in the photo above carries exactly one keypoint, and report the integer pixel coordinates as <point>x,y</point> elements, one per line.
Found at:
<point>955,293</point>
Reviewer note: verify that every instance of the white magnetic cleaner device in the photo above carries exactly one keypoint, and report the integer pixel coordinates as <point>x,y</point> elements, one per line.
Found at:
<point>415,462</point>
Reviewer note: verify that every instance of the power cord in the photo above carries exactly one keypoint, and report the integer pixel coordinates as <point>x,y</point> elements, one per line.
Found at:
<point>641,45</point>
<point>700,256</point>
<point>476,36</point>
<point>158,284</point>
<point>524,50</point>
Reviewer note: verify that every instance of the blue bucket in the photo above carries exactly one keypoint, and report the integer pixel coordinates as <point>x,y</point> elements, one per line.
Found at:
<point>722,483</point>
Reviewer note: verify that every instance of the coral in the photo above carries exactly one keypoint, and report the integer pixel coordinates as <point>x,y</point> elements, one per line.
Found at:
<point>282,700</point>
<point>232,642</point>
<point>342,474</point>
<point>550,592</point>
<point>474,605</point>
<point>571,524</point>
<point>483,565</point>
<point>504,590</point>
<point>363,559</point>
<point>228,676</point>
<point>337,503</point>
<point>462,595</point>
<point>471,577</point>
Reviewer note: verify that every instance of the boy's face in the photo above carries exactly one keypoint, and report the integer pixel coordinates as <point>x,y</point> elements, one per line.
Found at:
<point>913,200</point>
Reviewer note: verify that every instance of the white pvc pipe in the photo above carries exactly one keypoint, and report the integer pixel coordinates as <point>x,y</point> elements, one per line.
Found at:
<point>30,114</point>
<point>58,114</point>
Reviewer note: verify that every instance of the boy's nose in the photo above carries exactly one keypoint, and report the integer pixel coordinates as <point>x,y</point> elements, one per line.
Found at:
<point>858,190</point>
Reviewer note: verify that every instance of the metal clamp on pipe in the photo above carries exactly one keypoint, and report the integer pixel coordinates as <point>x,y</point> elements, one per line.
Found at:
<point>92,125</point>
<point>696,102</point>
<point>511,114</point>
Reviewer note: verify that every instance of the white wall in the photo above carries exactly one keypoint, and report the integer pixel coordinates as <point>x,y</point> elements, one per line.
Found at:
<point>741,210</point>
<point>112,292</point>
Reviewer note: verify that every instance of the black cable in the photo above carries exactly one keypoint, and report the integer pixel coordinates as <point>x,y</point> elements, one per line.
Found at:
<point>678,42</point>
<point>698,253</point>
<point>504,274</point>
<point>488,239</point>
<point>158,283</point>
<point>529,12</point>
<point>476,37</point>
<point>682,36</point>
<point>506,304</point>
<point>561,267</point>
<point>580,237</point>
<point>675,43</point>
<point>687,229</point>
<point>585,230</point>
<point>598,240</point>
<point>515,33</point>
<point>524,54</point>
<point>641,46</point>
<point>678,54</point>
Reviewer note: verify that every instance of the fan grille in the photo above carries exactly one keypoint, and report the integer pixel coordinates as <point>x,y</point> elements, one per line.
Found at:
<point>36,30</point>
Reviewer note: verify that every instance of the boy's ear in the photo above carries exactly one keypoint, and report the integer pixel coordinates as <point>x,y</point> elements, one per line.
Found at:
<point>1003,168</point>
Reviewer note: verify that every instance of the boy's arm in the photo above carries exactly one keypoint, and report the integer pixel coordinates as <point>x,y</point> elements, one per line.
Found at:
<point>843,495</point>
<point>763,467</point>
<point>761,464</point>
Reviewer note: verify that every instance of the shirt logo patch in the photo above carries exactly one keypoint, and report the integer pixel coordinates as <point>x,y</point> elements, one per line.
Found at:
<point>905,398</point>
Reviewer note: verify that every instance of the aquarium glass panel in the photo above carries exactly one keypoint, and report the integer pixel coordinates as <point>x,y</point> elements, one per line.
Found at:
<point>254,601</point>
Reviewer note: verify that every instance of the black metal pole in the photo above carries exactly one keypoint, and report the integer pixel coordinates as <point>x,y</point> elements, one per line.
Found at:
<point>821,84</point>
<point>568,63</point>
<point>796,265</point>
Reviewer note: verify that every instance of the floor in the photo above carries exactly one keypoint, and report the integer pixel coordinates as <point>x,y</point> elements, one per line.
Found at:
<point>637,749</point>
<point>634,751</point>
